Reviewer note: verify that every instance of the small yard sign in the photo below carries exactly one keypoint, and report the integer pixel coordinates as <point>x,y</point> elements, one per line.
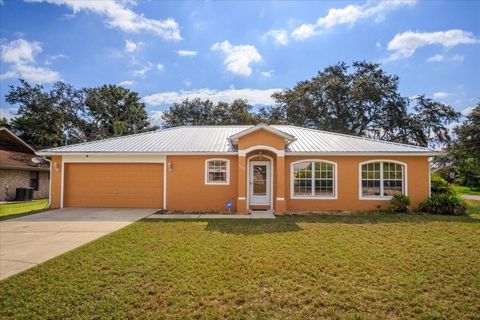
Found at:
<point>229,205</point>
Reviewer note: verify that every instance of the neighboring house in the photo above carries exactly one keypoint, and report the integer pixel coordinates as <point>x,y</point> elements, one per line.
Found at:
<point>201,168</point>
<point>17,170</point>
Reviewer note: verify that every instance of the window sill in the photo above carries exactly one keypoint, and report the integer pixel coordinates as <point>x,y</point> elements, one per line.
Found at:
<point>387,198</point>
<point>313,198</point>
<point>217,183</point>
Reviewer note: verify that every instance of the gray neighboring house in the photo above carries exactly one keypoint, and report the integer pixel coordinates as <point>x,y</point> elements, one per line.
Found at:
<point>17,170</point>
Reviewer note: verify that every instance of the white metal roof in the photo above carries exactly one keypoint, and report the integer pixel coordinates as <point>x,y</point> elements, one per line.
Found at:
<point>215,139</point>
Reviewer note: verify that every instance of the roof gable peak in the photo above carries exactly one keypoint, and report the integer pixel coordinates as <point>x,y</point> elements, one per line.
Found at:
<point>261,126</point>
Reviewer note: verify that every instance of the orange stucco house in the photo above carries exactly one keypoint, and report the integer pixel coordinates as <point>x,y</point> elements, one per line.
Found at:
<point>277,168</point>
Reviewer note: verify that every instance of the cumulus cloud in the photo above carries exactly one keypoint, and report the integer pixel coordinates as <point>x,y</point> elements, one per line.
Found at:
<point>441,95</point>
<point>119,16</point>
<point>187,53</point>
<point>160,67</point>
<point>127,83</point>
<point>131,46</point>
<point>403,45</point>
<point>254,96</point>
<point>156,118</point>
<point>238,57</point>
<point>142,72</point>
<point>280,36</point>
<point>20,56</point>
<point>267,74</point>
<point>349,15</point>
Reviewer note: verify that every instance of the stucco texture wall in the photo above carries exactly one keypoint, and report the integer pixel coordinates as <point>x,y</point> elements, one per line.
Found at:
<point>186,188</point>
<point>348,184</point>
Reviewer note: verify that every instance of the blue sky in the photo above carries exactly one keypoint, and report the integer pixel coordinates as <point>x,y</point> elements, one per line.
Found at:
<point>167,51</point>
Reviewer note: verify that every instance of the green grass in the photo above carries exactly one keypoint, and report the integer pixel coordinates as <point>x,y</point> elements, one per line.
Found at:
<point>473,208</point>
<point>366,266</point>
<point>466,190</point>
<point>14,210</point>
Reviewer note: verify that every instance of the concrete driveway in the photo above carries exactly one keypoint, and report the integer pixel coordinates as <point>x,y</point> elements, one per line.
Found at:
<point>30,240</point>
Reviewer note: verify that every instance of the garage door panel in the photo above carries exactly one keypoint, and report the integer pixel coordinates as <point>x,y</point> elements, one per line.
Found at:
<point>116,185</point>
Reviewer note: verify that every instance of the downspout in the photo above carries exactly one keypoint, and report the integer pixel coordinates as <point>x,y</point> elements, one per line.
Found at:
<point>50,181</point>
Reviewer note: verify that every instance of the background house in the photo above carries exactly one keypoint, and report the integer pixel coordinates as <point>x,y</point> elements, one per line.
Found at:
<point>17,170</point>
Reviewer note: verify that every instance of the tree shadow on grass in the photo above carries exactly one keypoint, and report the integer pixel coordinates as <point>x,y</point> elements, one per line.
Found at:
<point>291,223</point>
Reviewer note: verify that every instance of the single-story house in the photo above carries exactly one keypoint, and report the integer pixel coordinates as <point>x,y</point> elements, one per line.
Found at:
<point>17,170</point>
<point>281,168</point>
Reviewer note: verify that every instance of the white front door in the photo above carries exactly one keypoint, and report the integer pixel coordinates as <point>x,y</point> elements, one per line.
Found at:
<point>259,184</point>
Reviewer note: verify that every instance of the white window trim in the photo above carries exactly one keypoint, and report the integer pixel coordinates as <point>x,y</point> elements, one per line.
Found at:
<point>217,183</point>
<point>386,198</point>
<point>335,182</point>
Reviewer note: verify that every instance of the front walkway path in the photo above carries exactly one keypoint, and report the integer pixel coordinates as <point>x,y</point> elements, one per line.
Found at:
<point>212,216</point>
<point>30,240</point>
<point>470,197</point>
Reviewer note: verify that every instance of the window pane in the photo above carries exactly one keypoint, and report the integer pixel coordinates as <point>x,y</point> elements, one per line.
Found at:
<point>371,188</point>
<point>391,187</point>
<point>217,171</point>
<point>302,187</point>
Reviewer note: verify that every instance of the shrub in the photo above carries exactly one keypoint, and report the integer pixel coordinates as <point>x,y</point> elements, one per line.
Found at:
<point>447,204</point>
<point>399,203</point>
<point>440,185</point>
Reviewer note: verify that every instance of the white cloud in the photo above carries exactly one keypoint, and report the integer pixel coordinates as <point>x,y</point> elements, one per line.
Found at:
<point>405,44</point>
<point>267,74</point>
<point>436,58</point>
<point>187,53</point>
<point>160,67</point>
<point>238,57</point>
<point>52,59</point>
<point>20,51</point>
<point>254,96</point>
<point>441,57</point>
<point>131,46</point>
<point>156,118</point>
<point>304,31</point>
<point>127,83</point>
<point>349,15</point>
<point>119,16</point>
<point>141,73</point>
<point>467,111</point>
<point>20,55</point>
<point>441,95</point>
<point>280,36</point>
<point>8,113</point>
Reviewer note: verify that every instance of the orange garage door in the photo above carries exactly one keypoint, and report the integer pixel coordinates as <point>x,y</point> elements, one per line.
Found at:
<point>113,185</point>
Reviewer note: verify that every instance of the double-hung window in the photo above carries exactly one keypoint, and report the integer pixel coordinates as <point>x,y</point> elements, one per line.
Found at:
<point>382,179</point>
<point>314,179</point>
<point>217,171</point>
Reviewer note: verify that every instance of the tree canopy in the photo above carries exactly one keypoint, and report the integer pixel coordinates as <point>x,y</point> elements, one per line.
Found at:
<point>66,115</point>
<point>464,152</point>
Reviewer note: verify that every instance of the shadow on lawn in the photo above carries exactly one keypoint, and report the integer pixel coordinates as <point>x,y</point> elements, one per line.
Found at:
<point>291,223</point>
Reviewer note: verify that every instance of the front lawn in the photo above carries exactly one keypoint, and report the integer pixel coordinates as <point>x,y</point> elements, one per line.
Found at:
<point>295,267</point>
<point>467,190</point>
<point>13,210</point>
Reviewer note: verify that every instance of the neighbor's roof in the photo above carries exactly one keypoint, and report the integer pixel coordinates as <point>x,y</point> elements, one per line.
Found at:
<point>213,139</point>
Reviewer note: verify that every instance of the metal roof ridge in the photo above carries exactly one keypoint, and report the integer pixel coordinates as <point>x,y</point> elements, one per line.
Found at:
<point>360,137</point>
<point>109,139</point>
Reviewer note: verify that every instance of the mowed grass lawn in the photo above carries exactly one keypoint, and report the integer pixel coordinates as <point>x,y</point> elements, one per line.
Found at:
<point>12,210</point>
<point>380,266</point>
<point>467,190</point>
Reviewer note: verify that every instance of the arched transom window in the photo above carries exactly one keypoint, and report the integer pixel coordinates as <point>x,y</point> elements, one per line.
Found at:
<point>382,179</point>
<point>314,179</point>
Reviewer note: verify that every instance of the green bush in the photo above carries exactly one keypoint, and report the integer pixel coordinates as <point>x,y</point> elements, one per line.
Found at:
<point>440,185</point>
<point>399,203</point>
<point>447,204</point>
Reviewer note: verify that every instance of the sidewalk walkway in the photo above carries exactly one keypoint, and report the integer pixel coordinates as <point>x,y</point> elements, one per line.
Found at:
<point>212,216</point>
<point>470,197</point>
